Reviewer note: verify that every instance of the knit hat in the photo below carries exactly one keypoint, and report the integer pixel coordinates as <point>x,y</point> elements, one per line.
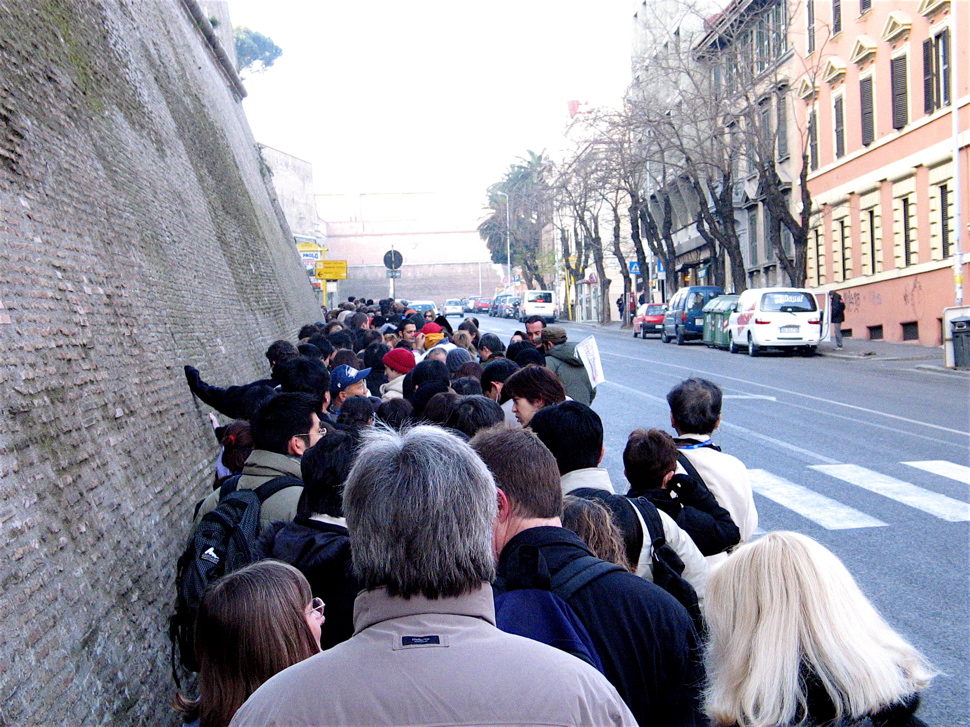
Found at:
<point>399,359</point>
<point>431,327</point>
<point>554,335</point>
<point>457,357</point>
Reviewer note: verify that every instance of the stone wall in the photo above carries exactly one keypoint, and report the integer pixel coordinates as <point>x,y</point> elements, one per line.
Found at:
<point>137,234</point>
<point>422,282</point>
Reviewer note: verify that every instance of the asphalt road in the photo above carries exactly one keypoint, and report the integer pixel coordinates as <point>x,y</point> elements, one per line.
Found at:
<point>869,457</point>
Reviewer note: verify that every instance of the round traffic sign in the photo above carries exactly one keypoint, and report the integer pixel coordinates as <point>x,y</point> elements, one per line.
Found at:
<point>393,260</point>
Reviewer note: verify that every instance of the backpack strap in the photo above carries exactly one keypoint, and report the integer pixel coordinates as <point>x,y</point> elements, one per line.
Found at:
<point>268,489</point>
<point>228,486</point>
<point>654,524</point>
<point>691,470</point>
<point>580,573</point>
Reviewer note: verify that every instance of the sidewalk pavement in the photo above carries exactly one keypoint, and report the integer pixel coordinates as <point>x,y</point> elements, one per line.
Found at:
<point>929,357</point>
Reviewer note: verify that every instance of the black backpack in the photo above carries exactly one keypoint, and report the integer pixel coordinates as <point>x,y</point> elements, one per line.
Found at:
<point>666,567</point>
<point>223,541</point>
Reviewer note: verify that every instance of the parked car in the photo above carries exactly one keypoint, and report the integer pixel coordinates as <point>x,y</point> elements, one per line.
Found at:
<point>539,303</point>
<point>649,319</point>
<point>454,307</point>
<point>511,307</point>
<point>498,304</point>
<point>482,305</point>
<point>775,318</point>
<point>468,304</point>
<point>423,306</point>
<point>684,319</point>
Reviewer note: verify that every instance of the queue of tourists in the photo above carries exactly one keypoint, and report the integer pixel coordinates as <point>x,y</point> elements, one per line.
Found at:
<point>408,524</point>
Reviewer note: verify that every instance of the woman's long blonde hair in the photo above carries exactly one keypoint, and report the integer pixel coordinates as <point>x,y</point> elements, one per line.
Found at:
<point>783,607</point>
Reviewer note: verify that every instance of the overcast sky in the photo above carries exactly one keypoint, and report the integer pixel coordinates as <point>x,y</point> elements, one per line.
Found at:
<point>429,95</point>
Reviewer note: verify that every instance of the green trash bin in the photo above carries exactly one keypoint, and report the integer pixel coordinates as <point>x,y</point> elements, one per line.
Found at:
<point>716,314</point>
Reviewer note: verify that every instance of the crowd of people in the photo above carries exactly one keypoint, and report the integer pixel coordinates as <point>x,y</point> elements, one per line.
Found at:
<point>439,494</point>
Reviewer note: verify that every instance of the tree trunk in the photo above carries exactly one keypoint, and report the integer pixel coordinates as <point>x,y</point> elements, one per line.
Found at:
<point>604,282</point>
<point>624,268</point>
<point>634,213</point>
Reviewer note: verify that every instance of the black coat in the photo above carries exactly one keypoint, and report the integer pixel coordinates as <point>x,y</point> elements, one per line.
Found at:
<point>235,402</point>
<point>696,511</point>
<point>321,551</point>
<point>645,638</point>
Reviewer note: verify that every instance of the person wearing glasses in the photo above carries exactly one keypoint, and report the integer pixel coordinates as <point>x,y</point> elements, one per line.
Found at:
<point>282,430</point>
<point>252,624</point>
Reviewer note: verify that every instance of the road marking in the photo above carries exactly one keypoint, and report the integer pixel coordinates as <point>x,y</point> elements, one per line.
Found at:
<point>750,433</point>
<point>951,470</point>
<point>750,396</point>
<point>788,391</point>
<point>941,506</point>
<point>830,514</point>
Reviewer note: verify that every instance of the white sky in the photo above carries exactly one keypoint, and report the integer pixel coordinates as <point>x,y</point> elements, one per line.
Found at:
<point>429,95</point>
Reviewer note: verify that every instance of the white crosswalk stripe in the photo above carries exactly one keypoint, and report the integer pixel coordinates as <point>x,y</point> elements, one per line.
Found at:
<point>830,514</point>
<point>941,506</point>
<point>950,470</point>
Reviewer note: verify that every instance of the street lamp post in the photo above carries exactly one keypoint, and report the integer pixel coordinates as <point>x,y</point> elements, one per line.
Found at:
<point>508,240</point>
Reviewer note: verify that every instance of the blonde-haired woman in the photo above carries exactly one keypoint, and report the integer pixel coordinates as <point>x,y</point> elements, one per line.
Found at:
<point>793,641</point>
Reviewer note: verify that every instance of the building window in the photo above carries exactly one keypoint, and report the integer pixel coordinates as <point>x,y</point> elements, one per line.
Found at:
<point>812,141</point>
<point>875,333</point>
<point>936,72</point>
<point>907,215</point>
<point>945,221</point>
<point>753,236</point>
<point>845,250</point>
<point>810,15</point>
<point>910,331</point>
<point>872,241</point>
<point>839,128</point>
<point>868,112</point>
<point>836,17</point>
<point>782,115</point>
<point>897,82</point>
<point>864,6</point>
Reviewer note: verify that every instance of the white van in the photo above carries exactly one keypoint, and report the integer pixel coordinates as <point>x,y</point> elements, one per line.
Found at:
<point>775,318</point>
<point>538,303</point>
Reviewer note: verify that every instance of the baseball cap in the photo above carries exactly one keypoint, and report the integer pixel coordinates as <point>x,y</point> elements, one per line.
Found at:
<point>344,376</point>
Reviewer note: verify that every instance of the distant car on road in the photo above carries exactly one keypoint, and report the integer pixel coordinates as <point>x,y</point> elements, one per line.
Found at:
<point>510,309</point>
<point>482,305</point>
<point>454,307</point>
<point>423,306</point>
<point>539,303</point>
<point>649,319</point>
<point>468,304</point>
<point>498,305</point>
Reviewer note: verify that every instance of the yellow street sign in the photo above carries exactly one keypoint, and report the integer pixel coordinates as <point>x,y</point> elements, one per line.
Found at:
<point>331,269</point>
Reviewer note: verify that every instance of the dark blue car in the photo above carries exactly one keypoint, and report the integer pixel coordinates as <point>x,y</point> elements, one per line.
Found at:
<point>684,319</point>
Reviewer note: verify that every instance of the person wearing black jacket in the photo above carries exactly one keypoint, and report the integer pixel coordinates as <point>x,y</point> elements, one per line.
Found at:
<point>650,463</point>
<point>645,639</point>
<point>317,542</point>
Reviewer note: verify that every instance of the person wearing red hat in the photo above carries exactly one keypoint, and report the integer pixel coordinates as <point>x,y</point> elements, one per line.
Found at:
<point>397,362</point>
<point>432,334</point>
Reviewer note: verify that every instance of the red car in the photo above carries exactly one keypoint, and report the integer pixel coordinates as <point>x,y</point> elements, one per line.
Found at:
<point>482,305</point>
<point>649,319</point>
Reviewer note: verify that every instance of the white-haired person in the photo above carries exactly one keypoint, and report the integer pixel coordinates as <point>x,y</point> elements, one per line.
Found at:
<point>793,641</point>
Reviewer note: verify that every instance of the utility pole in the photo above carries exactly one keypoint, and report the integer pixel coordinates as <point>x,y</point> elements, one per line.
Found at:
<point>957,176</point>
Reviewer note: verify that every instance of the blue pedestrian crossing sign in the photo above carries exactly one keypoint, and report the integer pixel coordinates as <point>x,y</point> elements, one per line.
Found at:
<point>634,267</point>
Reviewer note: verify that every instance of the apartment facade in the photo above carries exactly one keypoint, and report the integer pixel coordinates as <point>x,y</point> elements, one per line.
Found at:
<point>877,103</point>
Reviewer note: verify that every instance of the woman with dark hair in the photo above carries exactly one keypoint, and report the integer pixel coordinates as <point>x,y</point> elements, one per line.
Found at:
<point>237,445</point>
<point>316,542</point>
<point>439,407</point>
<point>356,414</point>
<point>345,357</point>
<point>423,373</point>
<point>594,524</point>
<point>530,389</point>
<point>374,360</point>
<point>395,413</point>
<point>251,624</point>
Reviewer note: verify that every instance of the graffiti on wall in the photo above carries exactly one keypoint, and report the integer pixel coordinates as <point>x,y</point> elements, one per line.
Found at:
<point>854,299</point>
<point>913,295</point>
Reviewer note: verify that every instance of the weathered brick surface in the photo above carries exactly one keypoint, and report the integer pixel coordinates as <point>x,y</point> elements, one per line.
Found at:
<point>136,235</point>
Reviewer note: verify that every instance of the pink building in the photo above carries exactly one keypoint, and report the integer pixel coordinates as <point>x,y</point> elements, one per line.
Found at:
<point>877,103</point>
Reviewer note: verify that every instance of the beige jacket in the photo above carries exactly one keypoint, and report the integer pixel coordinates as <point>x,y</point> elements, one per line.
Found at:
<point>393,389</point>
<point>443,662</point>
<point>261,467</point>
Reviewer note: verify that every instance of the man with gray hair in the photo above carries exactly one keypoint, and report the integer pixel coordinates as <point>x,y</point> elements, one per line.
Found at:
<point>420,509</point>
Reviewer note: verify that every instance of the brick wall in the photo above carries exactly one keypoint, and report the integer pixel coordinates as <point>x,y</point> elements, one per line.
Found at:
<point>136,234</point>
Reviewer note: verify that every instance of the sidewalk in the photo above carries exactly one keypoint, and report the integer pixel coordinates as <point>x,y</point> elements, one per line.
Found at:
<point>928,357</point>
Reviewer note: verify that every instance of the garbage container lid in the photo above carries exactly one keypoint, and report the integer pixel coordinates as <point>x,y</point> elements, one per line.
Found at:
<point>960,324</point>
